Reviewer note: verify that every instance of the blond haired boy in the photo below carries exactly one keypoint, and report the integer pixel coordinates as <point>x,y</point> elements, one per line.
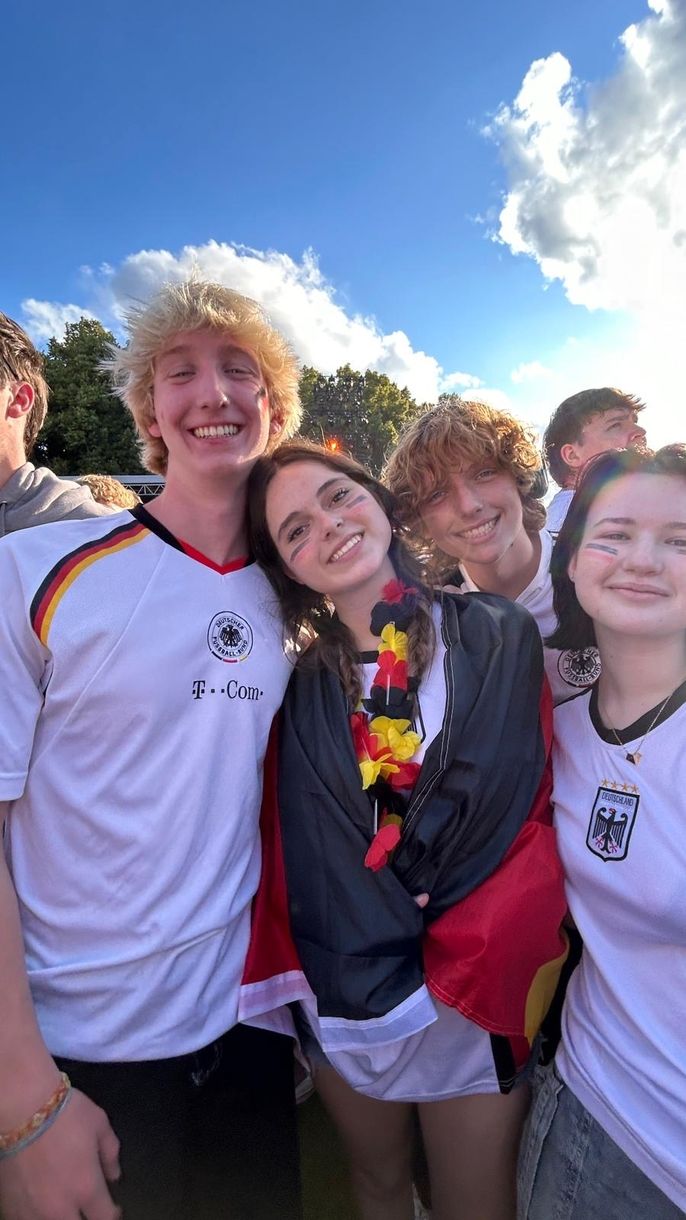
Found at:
<point>141,666</point>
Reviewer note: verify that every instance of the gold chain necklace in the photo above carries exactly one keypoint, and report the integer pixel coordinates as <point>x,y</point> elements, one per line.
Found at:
<point>635,756</point>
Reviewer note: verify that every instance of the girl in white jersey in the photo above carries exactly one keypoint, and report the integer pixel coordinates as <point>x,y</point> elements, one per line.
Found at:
<point>607,1135</point>
<point>420,867</point>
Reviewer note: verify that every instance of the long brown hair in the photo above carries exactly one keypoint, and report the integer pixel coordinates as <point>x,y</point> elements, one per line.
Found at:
<point>308,614</point>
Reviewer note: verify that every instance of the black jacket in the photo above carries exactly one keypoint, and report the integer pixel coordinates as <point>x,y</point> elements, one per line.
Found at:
<point>359,933</point>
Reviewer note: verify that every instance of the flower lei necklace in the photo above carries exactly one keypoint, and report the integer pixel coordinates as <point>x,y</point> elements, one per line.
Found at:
<point>384,741</point>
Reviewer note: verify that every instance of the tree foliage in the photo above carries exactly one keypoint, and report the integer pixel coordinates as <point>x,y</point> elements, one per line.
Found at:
<point>362,412</point>
<point>87,429</point>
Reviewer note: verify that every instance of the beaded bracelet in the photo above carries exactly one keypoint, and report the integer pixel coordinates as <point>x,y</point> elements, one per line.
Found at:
<point>39,1122</point>
<point>34,1135</point>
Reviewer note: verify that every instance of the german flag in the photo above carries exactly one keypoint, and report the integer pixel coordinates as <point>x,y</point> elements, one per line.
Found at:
<point>66,571</point>
<point>498,954</point>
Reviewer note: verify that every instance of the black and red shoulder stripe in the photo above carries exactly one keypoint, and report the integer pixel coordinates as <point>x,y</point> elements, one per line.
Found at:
<point>66,570</point>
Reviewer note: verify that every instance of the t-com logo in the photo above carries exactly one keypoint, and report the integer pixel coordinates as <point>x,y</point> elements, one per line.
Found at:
<point>229,637</point>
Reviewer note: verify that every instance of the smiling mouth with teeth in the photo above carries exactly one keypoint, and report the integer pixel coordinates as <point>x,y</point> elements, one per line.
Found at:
<point>479,531</point>
<point>347,546</point>
<point>216,430</point>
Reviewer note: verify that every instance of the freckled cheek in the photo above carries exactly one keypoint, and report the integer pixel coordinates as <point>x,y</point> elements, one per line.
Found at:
<point>252,396</point>
<point>355,516</point>
<point>438,522</point>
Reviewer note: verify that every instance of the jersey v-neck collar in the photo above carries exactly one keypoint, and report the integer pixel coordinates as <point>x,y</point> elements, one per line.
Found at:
<point>141,514</point>
<point>649,720</point>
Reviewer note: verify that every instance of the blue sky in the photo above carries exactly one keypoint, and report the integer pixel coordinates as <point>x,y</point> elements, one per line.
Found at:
<point>248,135</point>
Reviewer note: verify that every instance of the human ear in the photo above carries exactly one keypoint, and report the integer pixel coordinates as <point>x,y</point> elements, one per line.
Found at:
<point>22,401</point>
<point>570,456</point>
<point>571,568</point>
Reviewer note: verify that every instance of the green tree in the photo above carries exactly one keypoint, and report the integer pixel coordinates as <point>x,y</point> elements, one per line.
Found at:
<point>362,412</point>
<point>87,429</point>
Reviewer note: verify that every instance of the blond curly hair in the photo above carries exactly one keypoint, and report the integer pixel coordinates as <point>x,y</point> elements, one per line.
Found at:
<point>454,435</point>
<point>107,490</point>
<point>196,304</point>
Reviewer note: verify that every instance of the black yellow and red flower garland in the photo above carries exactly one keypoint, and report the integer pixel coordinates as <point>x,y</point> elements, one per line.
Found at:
<point>384,741</point>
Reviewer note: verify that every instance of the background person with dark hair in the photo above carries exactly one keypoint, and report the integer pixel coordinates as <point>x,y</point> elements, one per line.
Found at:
<point>587,423</point>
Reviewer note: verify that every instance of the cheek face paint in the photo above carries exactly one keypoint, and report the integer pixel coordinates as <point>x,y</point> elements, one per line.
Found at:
<point>298,548</point>
<point>600,546</point>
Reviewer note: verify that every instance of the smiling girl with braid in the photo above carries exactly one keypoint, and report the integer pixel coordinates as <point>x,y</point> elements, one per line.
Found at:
<point>424,890</point>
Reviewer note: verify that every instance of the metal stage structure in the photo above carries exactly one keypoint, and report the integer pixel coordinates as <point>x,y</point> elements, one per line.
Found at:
<point>147,486</point>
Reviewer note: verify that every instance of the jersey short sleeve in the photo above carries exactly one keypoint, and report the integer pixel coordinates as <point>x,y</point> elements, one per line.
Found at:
<point>24,672</point>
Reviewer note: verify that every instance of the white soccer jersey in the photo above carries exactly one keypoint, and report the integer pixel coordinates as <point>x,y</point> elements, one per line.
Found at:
<point>570,670</point>
<point>138,688</point>
<point>621,838</point>
<point>557,510</point>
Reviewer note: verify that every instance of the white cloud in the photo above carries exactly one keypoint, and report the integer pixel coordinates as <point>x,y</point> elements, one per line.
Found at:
<point>625,361</point>
<point>298,297</point>
<point>494,396</point>
<point>325,335</point>
<point>456,382</point>
<point>533,371</point>
<point>47,318</point>
<point>596,191</point>
<point>597,175</point>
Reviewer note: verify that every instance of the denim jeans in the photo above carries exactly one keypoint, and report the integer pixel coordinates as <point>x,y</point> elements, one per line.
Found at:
<point>570,1169</point>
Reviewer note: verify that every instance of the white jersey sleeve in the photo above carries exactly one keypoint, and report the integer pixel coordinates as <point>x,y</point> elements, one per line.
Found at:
<point>25,667</point>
